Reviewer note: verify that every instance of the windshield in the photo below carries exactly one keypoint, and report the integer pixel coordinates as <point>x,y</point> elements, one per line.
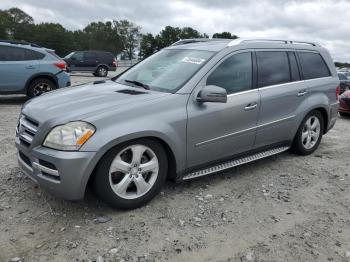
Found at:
<point>69,55</point>
<point>342,77</point>
<point>167,70</point>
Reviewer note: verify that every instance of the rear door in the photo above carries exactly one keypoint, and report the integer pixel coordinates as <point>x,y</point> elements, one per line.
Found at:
<point>281,90</point>
<point>220,130</point>
<point>17,65</point>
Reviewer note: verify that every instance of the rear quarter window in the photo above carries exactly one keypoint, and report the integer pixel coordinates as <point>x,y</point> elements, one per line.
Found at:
<point>313,65</point>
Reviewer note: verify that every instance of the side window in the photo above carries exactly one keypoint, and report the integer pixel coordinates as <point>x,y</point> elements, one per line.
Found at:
<point>78,56</point>
<point>234,74</point>
<point>273,68</point>
<point>89,56</point>
<point>33,55</point>
<point>294,70</point>
<point>313,65</point>
<point>3,53</point>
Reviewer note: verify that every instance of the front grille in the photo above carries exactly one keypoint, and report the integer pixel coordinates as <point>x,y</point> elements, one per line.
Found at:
<point>26,130</point>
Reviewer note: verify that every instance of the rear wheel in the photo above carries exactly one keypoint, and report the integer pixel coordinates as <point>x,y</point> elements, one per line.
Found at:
<point>131,174</point>
<point>102,71</point>
<point>309,134</point>
<point>40,86</point>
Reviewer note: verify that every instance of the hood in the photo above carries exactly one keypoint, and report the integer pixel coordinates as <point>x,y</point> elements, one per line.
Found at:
<point>81,102</point>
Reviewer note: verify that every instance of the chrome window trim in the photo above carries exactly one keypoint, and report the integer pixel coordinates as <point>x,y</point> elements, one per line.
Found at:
<point>277,85</point>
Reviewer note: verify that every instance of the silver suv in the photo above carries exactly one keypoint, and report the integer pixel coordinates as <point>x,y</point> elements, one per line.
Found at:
<point>192,109</point>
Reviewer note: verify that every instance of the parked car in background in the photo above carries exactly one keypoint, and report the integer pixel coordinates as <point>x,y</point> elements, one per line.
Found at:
<point>30,69</point>
<point>97,62</point>
<point>187,111</point>
<point>344,104</point>
<point>344,82</point>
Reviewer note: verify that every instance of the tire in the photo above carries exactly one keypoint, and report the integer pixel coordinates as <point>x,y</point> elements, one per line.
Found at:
<point>102,71</point>
<point>126,189</point>
<point>309,132</point>
<point>40,86</point>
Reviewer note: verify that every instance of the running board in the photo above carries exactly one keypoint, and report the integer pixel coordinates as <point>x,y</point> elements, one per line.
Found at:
<point>235,162</point>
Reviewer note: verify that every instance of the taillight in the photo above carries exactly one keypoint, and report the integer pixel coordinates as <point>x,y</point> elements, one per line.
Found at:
<point>61,65</point>
<point>337,92</point>
<point>115,62</point>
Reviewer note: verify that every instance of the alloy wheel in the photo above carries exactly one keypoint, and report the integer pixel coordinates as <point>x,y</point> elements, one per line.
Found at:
<point>133,171</point>
<point>41,88</point>
<point>311,132</point>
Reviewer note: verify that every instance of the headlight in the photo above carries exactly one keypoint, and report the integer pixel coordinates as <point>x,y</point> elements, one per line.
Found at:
<point>69,137</point>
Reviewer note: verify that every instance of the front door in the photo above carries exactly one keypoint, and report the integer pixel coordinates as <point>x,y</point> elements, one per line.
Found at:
<point>216,131</point>
<point>77,61</point>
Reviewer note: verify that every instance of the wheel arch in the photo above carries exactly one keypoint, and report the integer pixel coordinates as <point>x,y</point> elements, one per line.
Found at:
<point>171,175</point>
<point>48,76</point>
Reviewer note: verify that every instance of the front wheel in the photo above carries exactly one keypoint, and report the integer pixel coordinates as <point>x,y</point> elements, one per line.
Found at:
<point>131,174</point>
<point>309,134</point>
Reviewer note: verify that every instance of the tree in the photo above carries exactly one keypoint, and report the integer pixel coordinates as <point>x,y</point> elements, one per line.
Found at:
<point>189,33</point>
<point>129,35</point>
<point>102,36</point>
<point>148,45</point>
<point>226,35</point>
<point>4,24</point>
<point>168,36</point>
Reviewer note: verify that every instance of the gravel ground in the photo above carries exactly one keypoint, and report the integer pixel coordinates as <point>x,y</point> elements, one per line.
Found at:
<point>284,208</point>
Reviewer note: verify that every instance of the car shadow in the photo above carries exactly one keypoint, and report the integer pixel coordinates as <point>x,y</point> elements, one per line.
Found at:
<point>13,99</point>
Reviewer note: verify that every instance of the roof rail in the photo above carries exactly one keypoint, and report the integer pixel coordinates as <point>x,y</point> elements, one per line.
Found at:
<point>240,41</point>
<point>197,40</point>
<point>22,42</point>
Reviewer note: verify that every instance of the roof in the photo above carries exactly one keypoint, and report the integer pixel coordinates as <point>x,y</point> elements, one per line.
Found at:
<point>217,44</point>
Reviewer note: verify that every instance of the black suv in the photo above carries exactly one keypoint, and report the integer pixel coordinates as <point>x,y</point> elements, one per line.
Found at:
<point>97,62</point>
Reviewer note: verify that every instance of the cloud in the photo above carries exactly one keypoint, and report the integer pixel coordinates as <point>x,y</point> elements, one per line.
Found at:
<point>322,21</point>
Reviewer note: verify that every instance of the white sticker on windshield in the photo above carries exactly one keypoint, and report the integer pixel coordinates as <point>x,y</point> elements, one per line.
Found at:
<point>193,60</point>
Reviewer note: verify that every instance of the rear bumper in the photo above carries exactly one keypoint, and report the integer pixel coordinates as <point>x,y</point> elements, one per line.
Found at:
<point>333,115</point>
<point>63,79</point>
<point>65,174</point>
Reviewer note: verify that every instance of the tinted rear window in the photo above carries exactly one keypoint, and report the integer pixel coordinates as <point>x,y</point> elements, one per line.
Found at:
<point>106,56</point>
<point>273,68</point>
<point>313,65</point>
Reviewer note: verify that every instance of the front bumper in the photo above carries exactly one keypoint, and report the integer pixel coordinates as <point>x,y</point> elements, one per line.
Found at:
<point>63,173</point>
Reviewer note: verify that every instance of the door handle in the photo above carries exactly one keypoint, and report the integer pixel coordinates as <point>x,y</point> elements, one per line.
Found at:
<point>251,106</point>
<point>302,93</point>
<point>30,67</point>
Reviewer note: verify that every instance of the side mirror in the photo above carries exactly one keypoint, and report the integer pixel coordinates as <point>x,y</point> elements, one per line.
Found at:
<point>212,94</point>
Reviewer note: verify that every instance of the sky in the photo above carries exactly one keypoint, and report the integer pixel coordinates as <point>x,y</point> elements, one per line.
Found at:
<point>326,22</point>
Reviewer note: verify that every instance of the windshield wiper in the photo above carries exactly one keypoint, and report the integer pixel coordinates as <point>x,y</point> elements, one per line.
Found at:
<point>137,83</point>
